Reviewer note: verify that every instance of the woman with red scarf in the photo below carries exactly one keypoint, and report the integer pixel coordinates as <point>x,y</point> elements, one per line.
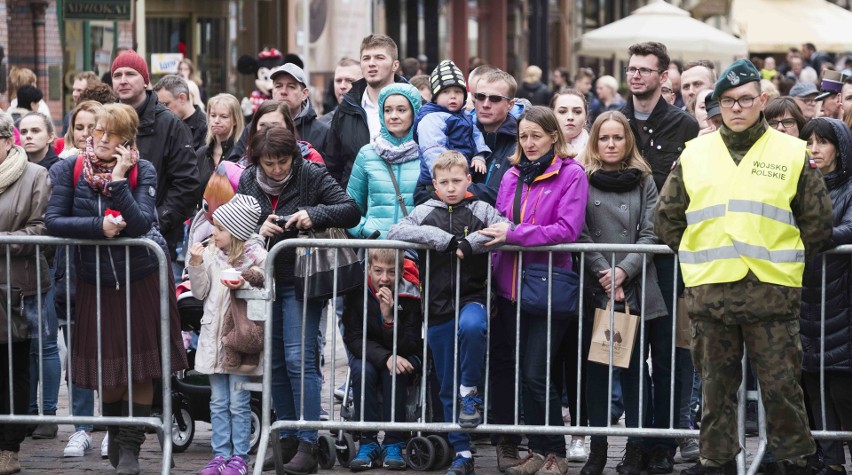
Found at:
<point>108,192</point>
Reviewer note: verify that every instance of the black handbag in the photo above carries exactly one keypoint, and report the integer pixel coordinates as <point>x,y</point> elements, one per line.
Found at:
<point>565,283</point>
<point>20,326</point>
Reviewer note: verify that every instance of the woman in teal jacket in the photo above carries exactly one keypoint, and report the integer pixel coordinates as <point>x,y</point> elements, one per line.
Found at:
<point>392,155</point>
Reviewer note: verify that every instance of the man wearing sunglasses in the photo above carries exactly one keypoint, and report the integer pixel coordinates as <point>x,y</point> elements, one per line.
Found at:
<point>743,208</point>
<point>493,100</point>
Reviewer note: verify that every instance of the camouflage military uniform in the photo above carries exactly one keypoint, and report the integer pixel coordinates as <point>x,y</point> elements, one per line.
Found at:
<point>763,317</point>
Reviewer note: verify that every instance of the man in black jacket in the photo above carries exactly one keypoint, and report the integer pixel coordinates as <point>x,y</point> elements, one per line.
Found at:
<point>165,141</point>
<point>492,97</point>
<point>290,86</point>
<point>661,131</point>
<point>173,93</point>
<point>356,121</point>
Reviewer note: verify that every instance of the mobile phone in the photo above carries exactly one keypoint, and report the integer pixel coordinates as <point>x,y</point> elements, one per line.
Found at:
<point>125,144</point>
<point>205,242</point>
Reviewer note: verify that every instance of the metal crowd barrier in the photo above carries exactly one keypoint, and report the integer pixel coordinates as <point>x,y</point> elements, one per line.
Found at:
<point>42,244</point>
<point>422,425</point>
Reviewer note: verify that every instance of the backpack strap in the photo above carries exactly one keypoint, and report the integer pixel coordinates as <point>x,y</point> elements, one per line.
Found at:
<point>132,177</point>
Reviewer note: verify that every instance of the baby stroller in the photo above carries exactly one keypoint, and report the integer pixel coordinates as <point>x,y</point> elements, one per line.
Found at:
<point>191,389</point>
<point>422,452</point>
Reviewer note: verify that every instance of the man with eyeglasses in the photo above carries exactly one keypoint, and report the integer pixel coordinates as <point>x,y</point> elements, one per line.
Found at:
<point>804,93</point>
<point>743,208</point>
<point>661,131</point>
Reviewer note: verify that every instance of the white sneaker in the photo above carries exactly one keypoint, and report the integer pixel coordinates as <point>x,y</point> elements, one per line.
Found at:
<point>577,451</point>
<point>105,446</point>
<point>77,444</point>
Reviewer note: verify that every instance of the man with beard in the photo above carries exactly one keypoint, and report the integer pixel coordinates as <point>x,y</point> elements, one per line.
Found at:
<point>661,131</point>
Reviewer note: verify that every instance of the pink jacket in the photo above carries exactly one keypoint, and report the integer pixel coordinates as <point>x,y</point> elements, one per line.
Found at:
<point>553,211</point>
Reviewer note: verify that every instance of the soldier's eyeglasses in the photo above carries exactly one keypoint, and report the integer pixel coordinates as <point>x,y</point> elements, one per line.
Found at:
<point>745,102</point>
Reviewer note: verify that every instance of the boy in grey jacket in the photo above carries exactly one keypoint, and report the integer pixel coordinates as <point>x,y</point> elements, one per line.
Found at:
<point>449,223</point>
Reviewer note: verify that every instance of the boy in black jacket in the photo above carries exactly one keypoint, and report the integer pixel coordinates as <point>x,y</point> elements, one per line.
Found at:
<point>449,223</point>
<point>372,357</point>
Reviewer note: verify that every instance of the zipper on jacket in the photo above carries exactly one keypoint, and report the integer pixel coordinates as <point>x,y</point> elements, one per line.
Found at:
<point>109,250</point>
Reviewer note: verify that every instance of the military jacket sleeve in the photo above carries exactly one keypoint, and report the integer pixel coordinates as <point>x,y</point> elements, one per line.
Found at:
<point>812,209</point>
<point>670,215</point>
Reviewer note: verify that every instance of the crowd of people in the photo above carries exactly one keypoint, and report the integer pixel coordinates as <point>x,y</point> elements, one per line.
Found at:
<point>744,174</point>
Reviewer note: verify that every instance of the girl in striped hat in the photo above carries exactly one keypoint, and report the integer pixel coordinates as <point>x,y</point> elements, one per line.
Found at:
<point>229,346</point>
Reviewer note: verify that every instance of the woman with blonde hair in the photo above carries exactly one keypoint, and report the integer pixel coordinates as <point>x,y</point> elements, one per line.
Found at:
<point>622,196</point>
<point>81,123</point>
<point>112,176</point>
<point>187,71</point>
<point>225,124</point>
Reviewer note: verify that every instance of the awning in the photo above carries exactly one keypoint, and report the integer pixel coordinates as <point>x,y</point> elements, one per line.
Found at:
<point>774,26</point>
<point>684,36</point>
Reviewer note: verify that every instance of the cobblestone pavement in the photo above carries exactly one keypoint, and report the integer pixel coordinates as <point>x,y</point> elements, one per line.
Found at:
<point>45,456</point>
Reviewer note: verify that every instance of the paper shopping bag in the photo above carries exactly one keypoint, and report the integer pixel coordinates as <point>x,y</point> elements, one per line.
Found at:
<point>621,337</point>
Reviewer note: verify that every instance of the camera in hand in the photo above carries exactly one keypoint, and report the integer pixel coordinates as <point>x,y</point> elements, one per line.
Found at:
<point>282,220</point>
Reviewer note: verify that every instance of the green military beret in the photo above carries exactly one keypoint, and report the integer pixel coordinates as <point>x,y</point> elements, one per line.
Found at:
<point>737,74</point>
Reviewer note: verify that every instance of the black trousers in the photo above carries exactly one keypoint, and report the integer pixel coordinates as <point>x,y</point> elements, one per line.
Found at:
<point>11,435</point>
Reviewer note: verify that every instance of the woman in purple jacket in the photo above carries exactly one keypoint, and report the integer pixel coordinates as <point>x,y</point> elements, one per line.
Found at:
<point>551,210</point>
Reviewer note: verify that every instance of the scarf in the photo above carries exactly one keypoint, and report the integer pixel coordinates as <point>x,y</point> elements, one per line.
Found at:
<point>253,250</point>
<point>618,181</point>
<point>394,154</point>
<point>12,168</point>
<point>268,185</point>
<point>98,173</point>
<point>530,170</point>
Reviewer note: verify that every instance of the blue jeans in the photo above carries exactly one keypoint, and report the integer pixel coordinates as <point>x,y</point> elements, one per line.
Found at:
<point>51,366</point>
<point>82,399</point>
<point>230,416</point>
<point>472,340</point>
<point>378,380</point>
<point>287,349</point>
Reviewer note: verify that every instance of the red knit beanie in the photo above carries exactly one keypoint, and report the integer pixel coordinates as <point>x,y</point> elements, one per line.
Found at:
<point>129,59</point>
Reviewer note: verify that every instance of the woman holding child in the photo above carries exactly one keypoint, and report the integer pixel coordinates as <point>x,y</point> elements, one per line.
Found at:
<point>620,210</point>
<point>544,195</point>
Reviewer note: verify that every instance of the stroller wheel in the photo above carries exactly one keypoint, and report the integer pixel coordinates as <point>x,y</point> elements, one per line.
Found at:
<point>420,454</point>
<point>181,438</point>
<point>326,454</point>
<point>254,434</point>
<point>345,449</point>
<point>443,455</point>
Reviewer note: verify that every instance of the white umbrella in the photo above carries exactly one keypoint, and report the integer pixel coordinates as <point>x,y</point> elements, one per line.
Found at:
<point>684,36</point>
<point>774,26</point>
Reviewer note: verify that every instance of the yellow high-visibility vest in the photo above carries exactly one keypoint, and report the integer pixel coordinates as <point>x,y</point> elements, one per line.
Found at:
<point>739,216</point>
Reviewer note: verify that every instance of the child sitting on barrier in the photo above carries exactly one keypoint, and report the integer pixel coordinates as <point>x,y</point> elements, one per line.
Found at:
<point>229,345</point>
<point>449,223</point>
<point>372,359</point>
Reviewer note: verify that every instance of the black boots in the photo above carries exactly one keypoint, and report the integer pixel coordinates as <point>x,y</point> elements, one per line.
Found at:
<point>597,459</point>
<point>305,460</point>
<point>125,441</point>
<point>113,409</point>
